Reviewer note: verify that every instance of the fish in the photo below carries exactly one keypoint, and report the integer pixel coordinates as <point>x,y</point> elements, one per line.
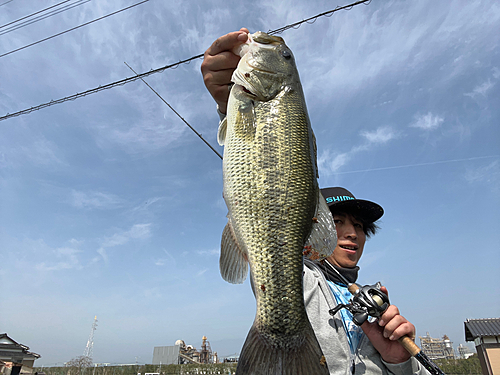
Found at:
<point>276,213</point>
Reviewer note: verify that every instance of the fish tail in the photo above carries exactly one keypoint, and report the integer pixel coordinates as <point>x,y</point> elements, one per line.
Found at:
<point>259,356</point>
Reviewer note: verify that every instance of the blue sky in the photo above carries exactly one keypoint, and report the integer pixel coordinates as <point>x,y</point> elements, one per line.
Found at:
<point>111,206</point>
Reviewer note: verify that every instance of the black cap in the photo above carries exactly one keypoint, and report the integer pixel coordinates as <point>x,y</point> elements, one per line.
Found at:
<point>340,198</point>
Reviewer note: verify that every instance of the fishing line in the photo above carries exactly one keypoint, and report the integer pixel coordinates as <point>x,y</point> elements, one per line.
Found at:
<point>178,115</point>
<point>145,74</point>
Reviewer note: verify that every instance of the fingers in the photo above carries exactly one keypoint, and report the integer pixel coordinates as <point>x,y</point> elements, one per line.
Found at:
<point>384,290</point>
<point>395,325</point>
<point>224,61</point>
<point>228,42</point>
<point>219,63</point>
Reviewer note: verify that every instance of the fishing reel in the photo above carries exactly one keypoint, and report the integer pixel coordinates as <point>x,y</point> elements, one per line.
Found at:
<point>368,300</point>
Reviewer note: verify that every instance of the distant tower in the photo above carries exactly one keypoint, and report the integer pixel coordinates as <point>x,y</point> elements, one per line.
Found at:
<point>90,344</point>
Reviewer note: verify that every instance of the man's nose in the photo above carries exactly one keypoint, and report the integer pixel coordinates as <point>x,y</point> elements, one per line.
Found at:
<point>350,231</point>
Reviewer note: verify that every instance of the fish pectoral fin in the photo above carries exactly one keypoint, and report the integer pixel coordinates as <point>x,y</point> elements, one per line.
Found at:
<point>292,356</point>
<point>221,133</point>
<point>233,262</point>
<point>323,237</point>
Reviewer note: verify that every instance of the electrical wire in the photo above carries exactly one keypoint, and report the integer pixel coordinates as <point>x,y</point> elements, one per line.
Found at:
<point>178,115</point>
<point>158,70</point>
<point>74,28</point>
<point>313,19</point>
<point>99,88</point>
<point>44,16</point>
<point>32,14</point>
<point>6,2</point>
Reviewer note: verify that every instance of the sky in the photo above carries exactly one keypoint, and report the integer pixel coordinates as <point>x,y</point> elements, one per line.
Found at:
<point>110,206</point>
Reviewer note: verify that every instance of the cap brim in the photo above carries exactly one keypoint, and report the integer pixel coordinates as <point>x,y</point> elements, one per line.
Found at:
<point>366,210</point>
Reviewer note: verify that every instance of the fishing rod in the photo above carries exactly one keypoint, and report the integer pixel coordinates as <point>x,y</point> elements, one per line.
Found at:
<point>369,300</point>
<point>177,113</point>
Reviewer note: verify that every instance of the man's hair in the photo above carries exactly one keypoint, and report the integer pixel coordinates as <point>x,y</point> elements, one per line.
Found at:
<point>370,228</point>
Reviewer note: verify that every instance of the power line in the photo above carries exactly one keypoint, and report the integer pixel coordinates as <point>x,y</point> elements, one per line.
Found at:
<point>97,89</point>
<point>178,115</point>
<point>158,70</point>
<point>32,14</point>
<point>74,28</point>
<point>313,19</point>
<point>44,16</point>
<point>6,2</point>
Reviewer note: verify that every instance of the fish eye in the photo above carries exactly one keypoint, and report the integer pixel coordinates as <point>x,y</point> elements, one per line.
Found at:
<point>286,54</point>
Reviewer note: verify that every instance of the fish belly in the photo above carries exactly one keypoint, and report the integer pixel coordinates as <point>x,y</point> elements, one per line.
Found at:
<point>271,191</point>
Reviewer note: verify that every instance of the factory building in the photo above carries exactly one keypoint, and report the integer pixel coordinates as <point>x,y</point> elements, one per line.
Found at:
<point>464,352</point>
<point>181,353</point>
<point>437,348</point>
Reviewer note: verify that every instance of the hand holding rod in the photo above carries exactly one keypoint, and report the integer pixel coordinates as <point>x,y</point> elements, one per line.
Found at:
<point>380,299</point>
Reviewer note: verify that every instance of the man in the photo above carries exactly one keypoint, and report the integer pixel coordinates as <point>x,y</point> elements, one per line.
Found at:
<point>373,348</point>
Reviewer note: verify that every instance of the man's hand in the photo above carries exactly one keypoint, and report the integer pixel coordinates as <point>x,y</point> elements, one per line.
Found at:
<point>385,332</point>
<point>219,63</point>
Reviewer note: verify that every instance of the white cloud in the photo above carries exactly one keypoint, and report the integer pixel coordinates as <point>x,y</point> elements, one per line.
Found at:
<point>160,262</point>
<point>68,260</point>
<point>481,89</point>
<point>103,254</point>
<point>329,163</point>
<point>164,261</point>
<point>200,273</point>
<point>138,231</point>
<point>208,252</point>
<point>382,135</point>
<point>94,199</point>
<point>427,122</point>
<point>496,73</point>
<point>488,174</point>
<point>32,149</point>
<point>42,152</point>
<point>152,293</point>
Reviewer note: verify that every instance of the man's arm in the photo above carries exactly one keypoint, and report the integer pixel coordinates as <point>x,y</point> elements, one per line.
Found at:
<point>219,63</point>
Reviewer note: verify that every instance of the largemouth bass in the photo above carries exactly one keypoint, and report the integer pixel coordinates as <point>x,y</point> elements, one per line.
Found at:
<point>275,207</point>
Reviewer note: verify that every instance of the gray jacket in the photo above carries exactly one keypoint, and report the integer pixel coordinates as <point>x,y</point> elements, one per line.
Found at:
<point>333,339</point>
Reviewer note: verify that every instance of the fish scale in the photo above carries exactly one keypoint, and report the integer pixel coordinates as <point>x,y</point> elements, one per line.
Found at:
<point>272,195</point>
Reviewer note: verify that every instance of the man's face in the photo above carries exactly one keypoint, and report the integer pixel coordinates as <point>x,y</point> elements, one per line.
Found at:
<point>350,243</point>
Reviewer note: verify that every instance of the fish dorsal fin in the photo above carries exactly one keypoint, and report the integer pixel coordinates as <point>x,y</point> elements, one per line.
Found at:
<point>323,237</point>
<point>221,133</point>
<point>233,262</point>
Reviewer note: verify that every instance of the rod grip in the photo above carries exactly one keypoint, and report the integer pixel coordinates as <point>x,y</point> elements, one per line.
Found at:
<point>409,345</point>
<point>352,288</point>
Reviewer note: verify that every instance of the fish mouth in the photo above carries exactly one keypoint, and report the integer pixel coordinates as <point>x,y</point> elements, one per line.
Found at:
<point>248,92</point>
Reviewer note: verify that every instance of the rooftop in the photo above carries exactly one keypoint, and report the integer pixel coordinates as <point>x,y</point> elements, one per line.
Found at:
<point>481,328</point>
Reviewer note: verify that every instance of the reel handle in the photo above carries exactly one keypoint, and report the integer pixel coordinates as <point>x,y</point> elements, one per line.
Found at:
<point>406,341</point>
